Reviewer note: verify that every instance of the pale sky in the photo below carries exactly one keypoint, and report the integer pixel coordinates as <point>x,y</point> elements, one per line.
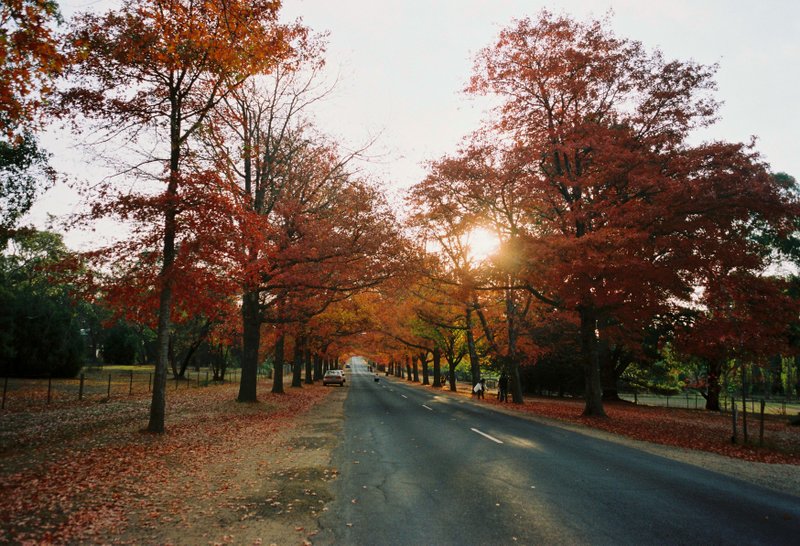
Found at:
<point>402,64</point>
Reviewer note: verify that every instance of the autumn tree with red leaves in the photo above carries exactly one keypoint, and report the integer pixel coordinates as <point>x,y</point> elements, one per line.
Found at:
<point>311,233</point>
<point>151,72</point>
<point>335,237</point>
<point>743,318</point>
<point>619,215</point>
<point>448,275</point>
<point>30,62</point>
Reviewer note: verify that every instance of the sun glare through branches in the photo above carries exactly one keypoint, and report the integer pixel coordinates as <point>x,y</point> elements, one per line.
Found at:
<point>482,243</point>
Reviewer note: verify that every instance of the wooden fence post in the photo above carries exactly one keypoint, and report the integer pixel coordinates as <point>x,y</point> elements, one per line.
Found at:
<point>733,413</point>
<point>109,386</point>
<point>761,425</point>
<point>80,389</point>
<point>49,387</point>
<point>130,387</point>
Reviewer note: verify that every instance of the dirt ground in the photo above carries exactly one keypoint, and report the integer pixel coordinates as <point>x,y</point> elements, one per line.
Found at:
<point>270,491</point>
<point>223,473</point>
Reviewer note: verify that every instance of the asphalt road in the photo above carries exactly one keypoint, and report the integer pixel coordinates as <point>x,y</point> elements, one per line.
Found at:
<point>421,467</point>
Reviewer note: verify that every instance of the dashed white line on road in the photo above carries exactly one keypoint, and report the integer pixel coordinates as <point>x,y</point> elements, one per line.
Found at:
<point>404,396</point>
<point>427,408</point>
<point>492,438</point>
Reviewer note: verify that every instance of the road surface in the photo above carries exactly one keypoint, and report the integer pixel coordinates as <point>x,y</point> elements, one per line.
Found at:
<point>421,467</point>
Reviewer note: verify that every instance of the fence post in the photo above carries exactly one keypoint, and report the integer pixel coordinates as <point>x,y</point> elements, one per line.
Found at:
<point>761,425</point>
<point>635,397</point>
<point>733,413</point>
<point>49,387</point>
<point>5,390</point>
<point>80,389</point>
<point>744,417</point>
<point>109,386</point>
<point>198,379</point>
<point>149,381</point>
<point>130,388</point>
<point>206,377</point>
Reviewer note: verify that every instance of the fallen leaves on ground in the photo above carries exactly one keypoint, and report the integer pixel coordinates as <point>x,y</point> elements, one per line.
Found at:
<point>73,473</point>
<point>691,429</point>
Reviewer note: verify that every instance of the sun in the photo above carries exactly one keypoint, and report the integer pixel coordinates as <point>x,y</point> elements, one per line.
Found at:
<point>481,243</point>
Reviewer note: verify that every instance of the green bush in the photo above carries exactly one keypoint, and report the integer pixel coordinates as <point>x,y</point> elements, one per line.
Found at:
<point>40,335</point>
<point>120,345</point>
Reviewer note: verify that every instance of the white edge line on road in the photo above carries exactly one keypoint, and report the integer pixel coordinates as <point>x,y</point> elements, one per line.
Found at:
<point>492,438</point>
<point>427,408</point>
<point>404,396</point>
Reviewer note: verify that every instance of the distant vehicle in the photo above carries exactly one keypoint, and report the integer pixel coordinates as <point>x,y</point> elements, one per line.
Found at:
<point>347,366</point>
<point>333,377</point>
<point>377,378</point>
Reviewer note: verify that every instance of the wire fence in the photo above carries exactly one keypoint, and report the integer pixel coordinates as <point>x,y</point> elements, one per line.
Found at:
<point>99,384</point>
<point>772,406</point>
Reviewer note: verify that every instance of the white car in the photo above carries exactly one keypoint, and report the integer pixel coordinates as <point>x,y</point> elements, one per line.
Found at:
<point>333,377</point>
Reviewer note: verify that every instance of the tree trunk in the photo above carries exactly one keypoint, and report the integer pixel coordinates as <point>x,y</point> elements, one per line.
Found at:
<point>474,363</point>
<point>159,400</point>
<point>309,379</point>
<point>437,367</point>
<point>251,339</point>
<point>512,364</point>
<point>409,376</point>
<point>591,366</point>
<point>423,360</point>
<point>609,374</point>
<point>317,367</point>
<point>277,376</point>
<point>797,375</point>
<point>166,280</point>
<point>714,388</point>
<point>297,362</point>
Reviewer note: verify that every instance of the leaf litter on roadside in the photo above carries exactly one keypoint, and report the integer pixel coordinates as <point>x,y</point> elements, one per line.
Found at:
<point>78,472</point>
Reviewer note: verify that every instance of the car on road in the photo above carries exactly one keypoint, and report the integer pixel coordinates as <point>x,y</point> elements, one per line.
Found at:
<point>333,377</point>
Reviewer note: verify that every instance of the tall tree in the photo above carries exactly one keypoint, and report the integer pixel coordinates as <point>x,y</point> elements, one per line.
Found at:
<point>254,139</point>
<point>30,62</point>
<point>622,215</point>
<point>153,70</point>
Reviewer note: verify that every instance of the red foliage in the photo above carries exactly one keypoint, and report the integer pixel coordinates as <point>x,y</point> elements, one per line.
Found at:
<point>90,466</point>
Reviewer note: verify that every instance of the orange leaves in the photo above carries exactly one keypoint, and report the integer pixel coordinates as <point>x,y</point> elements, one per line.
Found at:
<point>30,61</point>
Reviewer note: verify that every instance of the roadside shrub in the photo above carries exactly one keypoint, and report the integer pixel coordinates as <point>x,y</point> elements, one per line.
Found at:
<point>120,345</point>
<point>41,336</point>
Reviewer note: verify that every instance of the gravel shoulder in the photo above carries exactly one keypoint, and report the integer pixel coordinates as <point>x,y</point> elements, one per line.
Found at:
<point>270,492</point>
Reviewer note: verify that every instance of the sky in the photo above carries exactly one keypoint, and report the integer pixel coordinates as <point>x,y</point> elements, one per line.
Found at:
<point>401,66</point>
